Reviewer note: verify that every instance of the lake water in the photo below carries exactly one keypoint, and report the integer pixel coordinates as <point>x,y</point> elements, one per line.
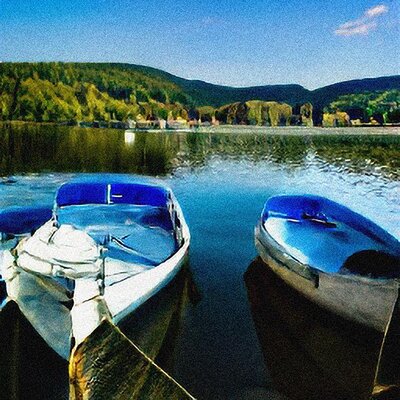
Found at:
<point>221,180</point>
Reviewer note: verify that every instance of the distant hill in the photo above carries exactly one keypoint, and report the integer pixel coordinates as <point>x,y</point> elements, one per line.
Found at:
<point>215,95</point>
<point>60,92</point>
<point>204,93</point>
<point>323,96</point>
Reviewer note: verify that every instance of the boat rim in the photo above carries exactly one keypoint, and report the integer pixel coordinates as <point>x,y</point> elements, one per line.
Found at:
<point>261,232</point>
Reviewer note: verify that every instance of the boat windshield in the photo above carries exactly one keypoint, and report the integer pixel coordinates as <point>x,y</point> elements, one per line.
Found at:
<point>111,193</point>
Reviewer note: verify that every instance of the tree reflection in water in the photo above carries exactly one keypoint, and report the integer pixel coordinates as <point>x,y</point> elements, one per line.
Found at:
<point>26,148</point>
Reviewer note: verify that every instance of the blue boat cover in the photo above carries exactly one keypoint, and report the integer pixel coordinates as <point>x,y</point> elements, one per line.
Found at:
<point>135,234</point>
<point>111,193</point>
<point>301,207</point>
<point>129,215</point>
<point>323,234</point>
<point>19,220</point>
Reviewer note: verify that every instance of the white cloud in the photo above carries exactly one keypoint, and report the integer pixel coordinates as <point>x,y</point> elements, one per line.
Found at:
<point>377,10</point>
<point>355,29</point>
<point>363,25</point>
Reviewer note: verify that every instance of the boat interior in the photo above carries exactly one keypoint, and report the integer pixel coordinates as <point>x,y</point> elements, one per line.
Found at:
<point>132,221</point>
<point>330,237</point>
<point>135,224</point>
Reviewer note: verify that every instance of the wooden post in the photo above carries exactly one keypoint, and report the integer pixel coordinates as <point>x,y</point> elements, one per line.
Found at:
<point>387,378</point>
<point>107,365</point>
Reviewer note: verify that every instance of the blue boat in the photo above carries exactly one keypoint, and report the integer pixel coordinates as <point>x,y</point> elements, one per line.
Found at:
<point>332,255</point>
<point>21,220</point>
<point>17,222</point>
<point>108,244</point>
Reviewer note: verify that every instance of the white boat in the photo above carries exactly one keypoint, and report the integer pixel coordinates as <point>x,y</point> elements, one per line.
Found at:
<point>112,243</point>
<point>335,257</point>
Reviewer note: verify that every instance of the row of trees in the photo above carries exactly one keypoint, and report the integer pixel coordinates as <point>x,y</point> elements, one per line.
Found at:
<point>255,112</point>
<point>36,99</point>
<point>40,100</point>
<point>382,107</point>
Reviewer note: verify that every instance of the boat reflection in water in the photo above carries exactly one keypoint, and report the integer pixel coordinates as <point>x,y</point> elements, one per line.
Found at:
<point>154,327</point>
<point>129,137</point>
<point>30,369</point>
<point>310,352</point>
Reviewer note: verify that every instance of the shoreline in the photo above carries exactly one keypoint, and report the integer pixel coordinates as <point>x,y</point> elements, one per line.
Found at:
<point>304,130</point>
<point>270,130</point>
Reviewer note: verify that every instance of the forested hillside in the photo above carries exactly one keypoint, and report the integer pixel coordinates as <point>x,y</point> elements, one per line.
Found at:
<point>364,106</point>
<point>72,92</point>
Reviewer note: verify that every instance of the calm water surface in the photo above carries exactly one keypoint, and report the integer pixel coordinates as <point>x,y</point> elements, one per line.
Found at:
<point>222,181</point>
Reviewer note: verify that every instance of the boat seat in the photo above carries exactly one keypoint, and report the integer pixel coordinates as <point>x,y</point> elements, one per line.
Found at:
<point>373,263</point>
<point>82,216</point>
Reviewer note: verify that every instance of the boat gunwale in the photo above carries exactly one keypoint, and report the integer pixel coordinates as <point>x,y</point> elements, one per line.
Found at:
<point>175,261</point>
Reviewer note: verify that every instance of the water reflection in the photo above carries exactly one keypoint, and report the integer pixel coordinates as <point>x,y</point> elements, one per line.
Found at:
<point>29,369</point>
<point>39,148</point>
<point>25,148</point>
<point>310,353</point>
<point>129,137</point>
<point>222,181</point>
<point>280,149</point>
<point>155,326</point>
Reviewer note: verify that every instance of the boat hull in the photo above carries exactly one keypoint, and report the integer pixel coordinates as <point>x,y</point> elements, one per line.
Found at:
<point>46,304</point>
<point>367,301</point>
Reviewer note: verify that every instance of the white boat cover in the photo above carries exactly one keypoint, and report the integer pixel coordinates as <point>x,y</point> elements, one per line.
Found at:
<point>128,240</point>
<point>62,251</point>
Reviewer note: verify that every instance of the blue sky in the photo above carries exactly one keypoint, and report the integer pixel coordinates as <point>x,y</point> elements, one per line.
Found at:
<point>229,42</point>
